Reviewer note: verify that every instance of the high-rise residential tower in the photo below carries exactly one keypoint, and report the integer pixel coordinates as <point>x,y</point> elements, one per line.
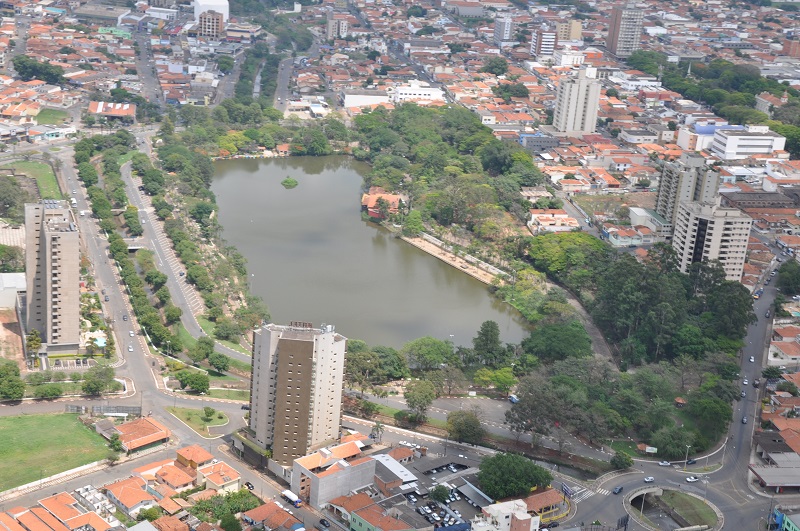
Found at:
<point>577,101</point>
<point>503,30</point>
<point>543,43</point>
<point>296,388</point>
<point>52,270</point>
<point>625,30</point>
<point>687,179</point>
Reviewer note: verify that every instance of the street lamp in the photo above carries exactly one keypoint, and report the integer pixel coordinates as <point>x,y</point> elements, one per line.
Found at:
<point>687,456</point>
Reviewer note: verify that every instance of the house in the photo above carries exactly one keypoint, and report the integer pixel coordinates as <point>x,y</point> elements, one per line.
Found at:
<point>142,433</point>
<point>170,523</point>
<point>345,506</point>
<point>122,111</point>
<point>219,476</point>
<point>378,204</point>
<point>551,220</point>
<point>271,516</point>
<point>194,456</point>
<point>130,495</point>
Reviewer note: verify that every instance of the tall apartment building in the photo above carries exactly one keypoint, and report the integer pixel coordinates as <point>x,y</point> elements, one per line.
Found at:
<point>338,26</point>
<point>577,101</point>
<point>503,30</point>
<point>687,179</point>
<point>52,270</point>
<point>569,30</point>
<point>296,388</point>
<point>543,43</point>
<point>707,231</point>
<point>210,24</point>
<point>625,30</point>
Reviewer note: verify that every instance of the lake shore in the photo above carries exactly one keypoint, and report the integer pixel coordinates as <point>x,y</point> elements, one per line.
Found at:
<point>451,259</point>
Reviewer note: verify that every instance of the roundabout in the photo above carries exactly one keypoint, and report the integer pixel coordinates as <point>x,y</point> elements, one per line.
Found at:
<point>657,507</point>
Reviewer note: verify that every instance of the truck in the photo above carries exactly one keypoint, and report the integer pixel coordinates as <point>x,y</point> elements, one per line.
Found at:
<point>291,497</point>
<point>73,202</point>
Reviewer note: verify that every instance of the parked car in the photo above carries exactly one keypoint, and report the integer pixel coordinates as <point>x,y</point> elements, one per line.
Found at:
<point>249,485</point>
<point>768,314</point>
<point>756,382</point>
<point>324,522</point>
<point>692,479</point>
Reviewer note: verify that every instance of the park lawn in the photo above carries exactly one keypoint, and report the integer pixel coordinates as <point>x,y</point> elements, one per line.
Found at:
<point>51,116</point>
<point>126,157</point>
<point>208,328</point>
<point>35,446</point>
<point>695,510</point>
<point>193,418</point>
<point>45,178</point>
<point>186,338</point>
<point>629,447</point>
<point>230,394</point>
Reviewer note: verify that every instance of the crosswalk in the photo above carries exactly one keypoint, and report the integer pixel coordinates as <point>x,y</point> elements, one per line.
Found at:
<point>582,493</point>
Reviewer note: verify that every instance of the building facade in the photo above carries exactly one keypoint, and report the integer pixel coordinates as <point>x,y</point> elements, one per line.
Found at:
<point>569,30</point>
<point>296,388</point>
<point>577,102</point>
<point>707,231</point>
<point>731,144</point>
<point>687,179</point>
<point>625,30</point>
<point>337,25</point>
<point>543,43</point>
<point>52,266</point>
<point>503,30</point>
<point>210,24</point>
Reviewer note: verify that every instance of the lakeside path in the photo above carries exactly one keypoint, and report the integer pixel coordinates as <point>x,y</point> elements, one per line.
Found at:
<point>450,258</point>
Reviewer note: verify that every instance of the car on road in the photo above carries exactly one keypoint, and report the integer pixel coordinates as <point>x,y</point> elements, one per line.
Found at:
<point>249,485</point>
<point>246,407</point>
<point>130,348</point>
<point>649,479</point>
<point>745,381</point>
<point>664,463</point>
<point>181,273</point>
<point>756,382</point>
<point>106,298</point>
<point>752,359</point>
<point>130,333</point>
<point>124,317</point>
<point>768,314</point>
<point>691,461</point>
<point>743,394</point>
<point>324,522</point>
<point>744,420</point>
<point>617,490</point>
<point>692,479</point>
<point>74,192</point>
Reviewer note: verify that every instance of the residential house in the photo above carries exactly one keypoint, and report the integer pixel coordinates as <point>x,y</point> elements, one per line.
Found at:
<point>194,456</point>
<point>130,495</point>
<point>551,220</point>
<point>142,433</point>
<point>219,476</point>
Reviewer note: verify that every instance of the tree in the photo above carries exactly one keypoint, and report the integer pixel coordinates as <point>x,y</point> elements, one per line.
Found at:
<point>115,443</point>
<point>419,396</point>
<point>377,431</point>
<point>440,494</point>
<point>621,460</point>
<point>504,379</point>
<point>413,224</point>
<point>465,426</point>
<point>505,475</point>
<point>558,341</point>
<point>229,522</point>
<point>149,514</point>
<point>487,344</point>
<point>771,373</point>
<point>536,409</point>
<point>483,377</point>
<point>226,328</point>
<point>219,361</point>
<point>496,65</point>
<point>427,353</point>
<point>362,370</point>
<point>33,341</point>
<point>225,63</point>
<point>208,413</point>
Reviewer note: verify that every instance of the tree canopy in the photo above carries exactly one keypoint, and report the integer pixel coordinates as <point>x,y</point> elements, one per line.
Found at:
<point>505,475</point>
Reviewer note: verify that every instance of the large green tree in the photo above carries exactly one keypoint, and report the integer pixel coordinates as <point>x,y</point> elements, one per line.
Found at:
<point>419,396</point>
<point>465,426</point>
<point>427,353</point>
<point>505,475</point>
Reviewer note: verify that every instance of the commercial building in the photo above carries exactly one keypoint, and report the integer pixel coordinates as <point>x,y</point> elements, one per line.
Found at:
<point>210,24</point>
<point>543,43</point>
<point>687,179</point>
<point>754,140</point>
<point>708,231</point>
<point>503,30</point>
<point>625,30</point>
<point>296,389</point>
<point>569,30</point>
<point>52,266</point>
<point>220,6</point>
<point>577,102</point>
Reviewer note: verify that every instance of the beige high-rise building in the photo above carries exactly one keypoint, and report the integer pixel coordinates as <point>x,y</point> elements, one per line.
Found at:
<point>296,388</point>
<point>707,231</point>
<point>337,25</point>
<point>569,30</point>
<point>687,179</point>
<point>210,24</point>
<point>577,102</point>
<point>52,270</point>
<point>625,30</point>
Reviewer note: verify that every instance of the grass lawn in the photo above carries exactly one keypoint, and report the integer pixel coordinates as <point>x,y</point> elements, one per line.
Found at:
<point>126,157</point>
<point>51,116</point>
<point>186,338</point>
<point>693,509</point>
<point>208,328</point>
<point>240,366</point>
<point>68,387</point>
<point>45,178</point>
<point>629,447</point>
<point>43,445</point>
<point>230,394</point>
<point>193,419</point>
<point>219,377</point>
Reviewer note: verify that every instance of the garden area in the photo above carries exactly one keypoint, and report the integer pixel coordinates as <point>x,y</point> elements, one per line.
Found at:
<point>38,446</point>
<point>201,419</point>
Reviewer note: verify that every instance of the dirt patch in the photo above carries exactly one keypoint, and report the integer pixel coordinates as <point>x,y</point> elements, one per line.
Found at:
<point>11,337</point>
<point>610,204</point>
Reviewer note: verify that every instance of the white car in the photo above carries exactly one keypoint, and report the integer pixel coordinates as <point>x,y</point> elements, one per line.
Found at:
<point>130,348</point>
<point>664,463</point>
<point>130,333</point>
<point>752,359</point>
<point>745,381</point>
<point>649,479</point>
<point>692,479</point>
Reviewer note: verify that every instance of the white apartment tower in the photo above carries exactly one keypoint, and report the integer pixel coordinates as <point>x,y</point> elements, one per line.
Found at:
<point>707,231</point>
<point>625,30</point>
<point>296,388</point>
<point>577,101</point>
<point>52,270</point>
<point>687,179</point>
<point>503,30</point>
<point>543,43</point>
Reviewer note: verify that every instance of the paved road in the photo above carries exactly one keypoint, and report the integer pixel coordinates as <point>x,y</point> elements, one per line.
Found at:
<point>145,67</point>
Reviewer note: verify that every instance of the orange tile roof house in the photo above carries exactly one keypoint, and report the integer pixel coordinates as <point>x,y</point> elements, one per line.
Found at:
<point>142,432</point>
<point>130,496</point>
<point>272,516</point>
<point>113,110</point>
<point>219,476</point>
<point>170,523</point>
<point>194,456</point>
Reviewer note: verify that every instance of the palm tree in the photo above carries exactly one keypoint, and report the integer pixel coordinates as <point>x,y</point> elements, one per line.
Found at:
<point>377,431</point>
